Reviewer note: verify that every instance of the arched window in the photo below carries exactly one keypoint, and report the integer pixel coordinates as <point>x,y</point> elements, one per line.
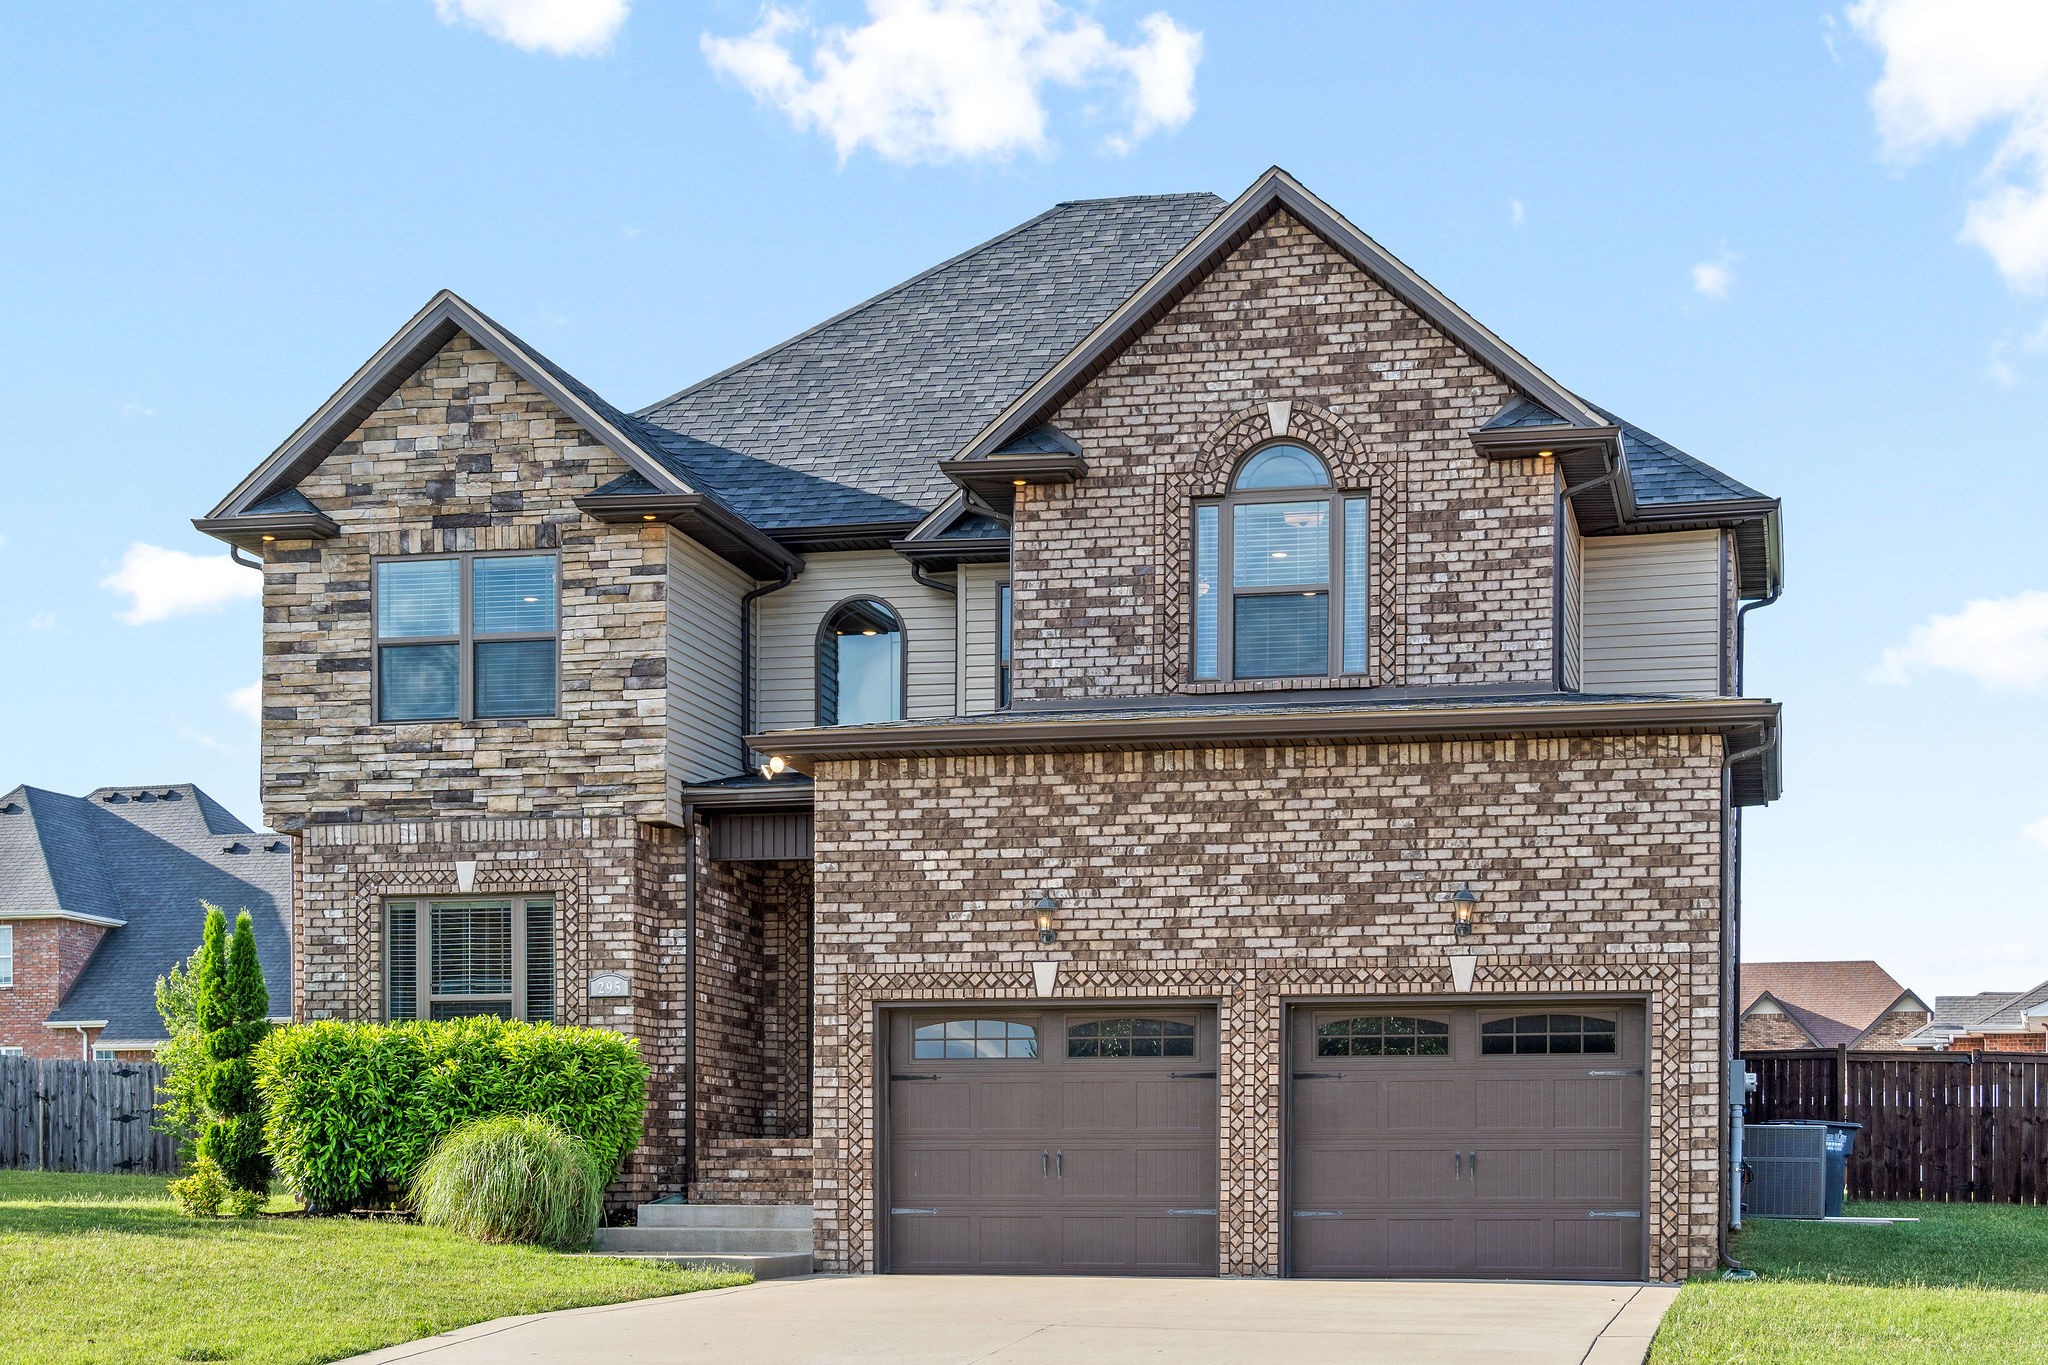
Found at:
<point>1280,572</point>
<point>860,664</point>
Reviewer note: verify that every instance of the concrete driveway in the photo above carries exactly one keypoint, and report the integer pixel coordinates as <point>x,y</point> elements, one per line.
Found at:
<point>1068,1321</point>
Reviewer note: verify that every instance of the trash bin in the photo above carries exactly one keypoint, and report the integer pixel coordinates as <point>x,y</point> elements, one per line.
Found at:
<point>1840,1142</point>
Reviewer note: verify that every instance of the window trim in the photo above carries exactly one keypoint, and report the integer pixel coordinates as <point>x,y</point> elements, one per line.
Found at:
<point>1336,500</point>
<point>7,939</point>
<point>818,656</point>
<point>465,640</point>
<point>424,997</point>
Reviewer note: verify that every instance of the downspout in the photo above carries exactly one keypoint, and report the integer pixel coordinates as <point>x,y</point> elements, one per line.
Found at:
<point>918,575</point>
<point>235,553</point>
<point>1745,609</point>
<point>1731,980</point>
<point>789,574</point>
<point>689,997</point>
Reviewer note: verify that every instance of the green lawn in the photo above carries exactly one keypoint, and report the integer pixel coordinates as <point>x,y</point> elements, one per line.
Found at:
<point>1968,1282</point>
<point>104,1268</point>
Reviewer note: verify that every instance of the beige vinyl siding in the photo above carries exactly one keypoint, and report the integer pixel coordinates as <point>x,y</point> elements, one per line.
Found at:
<point>977,612</point>
<point>1652,614</point>
<point>1571,610</point>
<point>786,635</point>
<point>704,595</point>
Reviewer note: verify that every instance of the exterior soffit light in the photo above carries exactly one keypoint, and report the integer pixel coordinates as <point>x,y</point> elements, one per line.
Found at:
<point>773,767</point>
<point>1047,918</point>
<point>1545,452</point>
<point>1463,905</point>
<point>1016,483</point>
<point>268,539</point>
<point>647,516</point>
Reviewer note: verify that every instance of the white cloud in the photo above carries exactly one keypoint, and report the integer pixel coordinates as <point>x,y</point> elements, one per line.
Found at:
<point>1515,213</point>
<point>164,583</point>
<point>42,620</point>
<point>1713,279</point>
<point>248,701</point>
<point>2036,831</point>
<point>947,80</point>
<point>192,734</point>
<point>567,28</point>
<point>2002,642</point>
<point>1953,69</point>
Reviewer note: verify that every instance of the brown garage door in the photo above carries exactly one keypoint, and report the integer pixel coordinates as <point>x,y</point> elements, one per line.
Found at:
<point>1066,1141</point>
<point>1504,1140</point>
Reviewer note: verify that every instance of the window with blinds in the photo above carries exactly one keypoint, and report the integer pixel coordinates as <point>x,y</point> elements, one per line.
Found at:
<point>448,959</point>
<point>466,637</point>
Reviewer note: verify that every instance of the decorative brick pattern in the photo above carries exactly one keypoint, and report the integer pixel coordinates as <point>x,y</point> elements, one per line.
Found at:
<point>48,956</point>
<point>1462,546</point>
<point>1250,878</point>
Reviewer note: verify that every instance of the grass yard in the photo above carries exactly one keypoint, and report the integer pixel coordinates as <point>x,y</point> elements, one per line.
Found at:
<point>1968,1282</point>
<point>104,1268</point>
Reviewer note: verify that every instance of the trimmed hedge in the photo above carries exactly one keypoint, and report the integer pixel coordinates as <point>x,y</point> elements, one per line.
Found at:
<point>354,1109</point>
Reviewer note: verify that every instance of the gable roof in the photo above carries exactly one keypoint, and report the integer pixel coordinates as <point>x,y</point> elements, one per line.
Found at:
<point>874,397</point>
<point>140,860</point>
<point>2001,1013</point>
<point>1835,1002</point>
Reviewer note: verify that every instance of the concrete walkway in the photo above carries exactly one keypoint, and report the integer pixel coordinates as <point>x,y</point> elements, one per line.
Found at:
<point>911,1320</point>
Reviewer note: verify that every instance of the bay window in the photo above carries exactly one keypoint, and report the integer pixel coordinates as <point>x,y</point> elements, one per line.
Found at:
<point>1280,573</point>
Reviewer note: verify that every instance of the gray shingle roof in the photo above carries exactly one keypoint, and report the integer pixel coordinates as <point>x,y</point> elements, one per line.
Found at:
<point>144,856</point>
<point>874,398</point>
<point>1662,474</point>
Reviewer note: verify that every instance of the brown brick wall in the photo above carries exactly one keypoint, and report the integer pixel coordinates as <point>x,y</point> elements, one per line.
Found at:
<point>1252,877</point>
<point>464,456</point>
<point>1999,1042</point>
<point>1887,1031</point>
<point>1463,546</point>
<point>1772,1033</point>
<point>48,956</point>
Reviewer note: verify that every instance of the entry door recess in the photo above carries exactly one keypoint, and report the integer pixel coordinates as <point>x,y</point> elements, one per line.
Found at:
<point>1501,1140</point>
<point>1057,1141</point>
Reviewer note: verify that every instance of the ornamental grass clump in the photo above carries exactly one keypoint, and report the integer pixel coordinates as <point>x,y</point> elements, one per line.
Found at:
<point>512,1178</point>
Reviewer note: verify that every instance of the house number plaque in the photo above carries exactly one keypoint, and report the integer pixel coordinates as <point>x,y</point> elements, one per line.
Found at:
<point>608,986</point>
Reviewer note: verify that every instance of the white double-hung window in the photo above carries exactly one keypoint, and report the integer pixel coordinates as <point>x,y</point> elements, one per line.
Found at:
<point>1281,586</point>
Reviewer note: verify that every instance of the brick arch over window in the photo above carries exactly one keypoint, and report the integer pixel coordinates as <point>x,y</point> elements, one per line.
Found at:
<point>1355,467</point>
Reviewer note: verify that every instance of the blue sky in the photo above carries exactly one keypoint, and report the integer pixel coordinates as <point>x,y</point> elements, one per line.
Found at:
<point>1807,244</point>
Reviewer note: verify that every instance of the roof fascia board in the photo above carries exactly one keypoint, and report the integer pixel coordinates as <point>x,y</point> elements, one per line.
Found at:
<point>76,916</point>
<point>394,362</point>
<point>1274,190</point>
<point>994,479</point>
<point>250,532</point>
<point>947,553</point>
<point>74,1023</point>
<point>1194,727</point>
<point>702,518</point>
<point>830,536</point>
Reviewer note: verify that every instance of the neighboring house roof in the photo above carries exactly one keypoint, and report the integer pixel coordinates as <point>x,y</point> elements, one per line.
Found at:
<point>1835,1002</point>
<point>2008,1014</point>
<point>140,860</point>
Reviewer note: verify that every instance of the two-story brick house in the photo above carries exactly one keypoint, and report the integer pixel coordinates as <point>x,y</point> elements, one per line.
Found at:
<point>1160,744</point>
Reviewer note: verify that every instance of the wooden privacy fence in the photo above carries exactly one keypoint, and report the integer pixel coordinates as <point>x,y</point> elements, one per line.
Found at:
<point>95,1117</point>
<point>1936,1125</point>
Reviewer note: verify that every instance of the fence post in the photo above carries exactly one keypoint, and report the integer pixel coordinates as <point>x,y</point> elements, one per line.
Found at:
<point>1839,1101</point>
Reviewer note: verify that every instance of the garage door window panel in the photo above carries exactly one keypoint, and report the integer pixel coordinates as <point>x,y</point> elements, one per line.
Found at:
<point>1543,1035</point>
<point>974,1040</point>
<point>1115,1038</point>
<point>1383,1035</point>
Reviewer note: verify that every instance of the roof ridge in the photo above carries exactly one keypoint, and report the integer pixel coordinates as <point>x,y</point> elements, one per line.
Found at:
<point>1140,198</point>
<point>856,309</point>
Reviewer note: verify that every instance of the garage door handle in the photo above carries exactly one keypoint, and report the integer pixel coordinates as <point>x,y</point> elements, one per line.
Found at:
<point>1045,1163</point>
<point>1191,1075</point>
<point>1059,1164</point>
<point>1457,1166</point>
<point>1475,1165</point>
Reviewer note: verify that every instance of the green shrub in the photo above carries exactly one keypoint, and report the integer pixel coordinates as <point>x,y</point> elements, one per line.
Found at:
<point>512,1178</point>
<point>214,1009</point>
<point>200,1192</point>
<point>353,1109</point>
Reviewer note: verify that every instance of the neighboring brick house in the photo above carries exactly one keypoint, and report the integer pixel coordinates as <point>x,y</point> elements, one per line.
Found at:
<point>1787,1006</point>
<point>101,894</point>
<point>1157,745</point>
<point>1990,1021</point>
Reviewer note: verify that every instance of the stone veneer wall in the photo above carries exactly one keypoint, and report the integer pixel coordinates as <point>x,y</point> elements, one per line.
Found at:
<point>464,456</point>
<point>1250,877</point>
<point>1462,546</point>
<point>48,956</point>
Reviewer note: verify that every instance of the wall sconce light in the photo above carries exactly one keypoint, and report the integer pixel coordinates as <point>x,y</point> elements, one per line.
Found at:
<point>1047,918</point>
<point>1463,904</point>
<point>773,767</point>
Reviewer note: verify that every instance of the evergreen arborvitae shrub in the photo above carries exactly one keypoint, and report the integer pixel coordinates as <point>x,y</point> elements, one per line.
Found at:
<point>230,1005</point>
<point>512,1178</point>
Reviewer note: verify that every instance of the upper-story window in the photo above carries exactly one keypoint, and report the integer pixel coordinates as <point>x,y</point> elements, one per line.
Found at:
<point>6,955</point>
<point>1280,573</point>
<point>860,664</point>
<point>1002,644</point>
<point>466,637</point>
